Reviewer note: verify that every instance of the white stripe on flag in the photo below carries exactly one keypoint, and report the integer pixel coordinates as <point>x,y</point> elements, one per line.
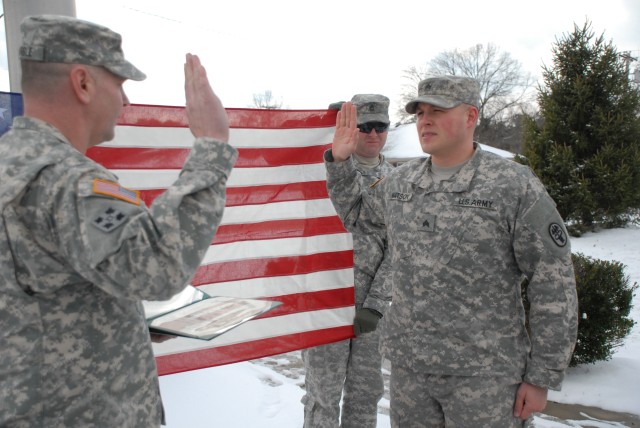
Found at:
<point>240,177</point>
<point>159,137</point>
<point>282,285</point>
<point>271,248</point>
<point>278,211</point>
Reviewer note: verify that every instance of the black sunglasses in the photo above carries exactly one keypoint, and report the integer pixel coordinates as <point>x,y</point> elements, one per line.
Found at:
<point>370,126</point>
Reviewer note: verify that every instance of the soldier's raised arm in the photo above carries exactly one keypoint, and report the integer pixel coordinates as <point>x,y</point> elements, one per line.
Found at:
<point>206,114</point>
<point>345,138</point>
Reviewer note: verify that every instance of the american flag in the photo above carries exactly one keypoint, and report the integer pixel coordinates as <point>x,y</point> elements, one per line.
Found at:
<point>280,238</point>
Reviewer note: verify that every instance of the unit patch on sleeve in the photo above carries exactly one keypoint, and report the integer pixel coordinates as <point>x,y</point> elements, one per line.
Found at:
<point>557,234</point>
<point>109,188</point>
<point>109,220</point>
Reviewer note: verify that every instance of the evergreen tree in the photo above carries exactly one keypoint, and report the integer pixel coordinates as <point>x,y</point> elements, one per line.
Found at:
<point>587,148</point>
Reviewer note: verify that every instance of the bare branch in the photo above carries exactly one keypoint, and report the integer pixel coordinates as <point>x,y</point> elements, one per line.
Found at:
<point>265,100</point>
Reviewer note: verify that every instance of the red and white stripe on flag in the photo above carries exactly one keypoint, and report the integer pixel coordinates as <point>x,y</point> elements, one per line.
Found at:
<point>280,237</point>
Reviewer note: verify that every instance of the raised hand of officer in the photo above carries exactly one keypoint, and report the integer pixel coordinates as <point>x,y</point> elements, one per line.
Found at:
<point>345,138</point>
<point>206,114</point>
<point>365,321</point>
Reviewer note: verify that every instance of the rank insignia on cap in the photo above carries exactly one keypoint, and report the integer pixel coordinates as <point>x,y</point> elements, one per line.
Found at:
<point>109,188</point>
<point>109,220</point>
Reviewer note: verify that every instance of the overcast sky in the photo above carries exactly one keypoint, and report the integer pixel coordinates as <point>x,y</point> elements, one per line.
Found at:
<point>310,54</point>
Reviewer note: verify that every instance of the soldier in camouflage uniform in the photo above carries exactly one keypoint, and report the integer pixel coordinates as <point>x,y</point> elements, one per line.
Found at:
<point>353,366</point>
<point>79,252</point>
<point>463,228</point>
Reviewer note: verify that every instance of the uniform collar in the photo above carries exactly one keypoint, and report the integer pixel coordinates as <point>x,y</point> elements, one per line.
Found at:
<point>460,182</point>
<point>33,124</point>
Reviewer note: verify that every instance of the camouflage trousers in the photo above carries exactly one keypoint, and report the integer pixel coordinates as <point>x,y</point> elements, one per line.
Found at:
<point>421,400</point>
<point>350,369</point>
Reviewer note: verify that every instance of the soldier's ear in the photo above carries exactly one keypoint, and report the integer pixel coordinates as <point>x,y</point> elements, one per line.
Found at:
<point>82,83</point>
<point>472,116</point>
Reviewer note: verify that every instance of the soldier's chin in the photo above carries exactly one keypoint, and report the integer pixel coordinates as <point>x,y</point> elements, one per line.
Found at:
<point>425,147</point>
<point>108,136</point>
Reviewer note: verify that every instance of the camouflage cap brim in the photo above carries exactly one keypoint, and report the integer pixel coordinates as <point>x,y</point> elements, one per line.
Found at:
<point>372,117</point>
<point>435,101</point>
<point>446,92</point>
<point>126,70</point>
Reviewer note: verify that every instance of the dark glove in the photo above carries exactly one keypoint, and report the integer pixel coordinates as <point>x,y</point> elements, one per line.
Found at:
<point>365,321</point>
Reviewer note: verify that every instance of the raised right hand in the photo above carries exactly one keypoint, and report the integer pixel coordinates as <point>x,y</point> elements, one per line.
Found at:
<point>206,114</point>
<point>345,138</point>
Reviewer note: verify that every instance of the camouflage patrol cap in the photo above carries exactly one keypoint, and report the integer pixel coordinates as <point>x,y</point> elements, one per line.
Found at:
<point>335,106</point>
<point>446,92</point>
<point>371,108</point>
<point>63,39</point>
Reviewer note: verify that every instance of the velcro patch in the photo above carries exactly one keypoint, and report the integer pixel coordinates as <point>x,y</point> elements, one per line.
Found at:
<point>109,188</point>
<point>403,197</point>
<point>475,203</point>
<point>429,223</point>
<point>109,220</point>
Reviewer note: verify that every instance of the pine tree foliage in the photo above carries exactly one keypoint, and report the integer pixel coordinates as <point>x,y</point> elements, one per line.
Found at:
<point>587,149</point>
<point>605,301</point>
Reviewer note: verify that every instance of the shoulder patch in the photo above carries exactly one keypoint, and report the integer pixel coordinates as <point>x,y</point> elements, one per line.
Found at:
<point>557,234</point>
<point>109,188</point>
<point>109,220</point>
